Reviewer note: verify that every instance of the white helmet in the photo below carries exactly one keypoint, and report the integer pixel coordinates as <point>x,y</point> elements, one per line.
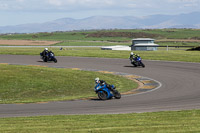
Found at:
<point>132,53</point>
<point>46,49</point>
<point>96,80</point>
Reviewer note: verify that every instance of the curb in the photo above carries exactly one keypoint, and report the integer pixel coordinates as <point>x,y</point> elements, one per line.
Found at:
<point>145,84</point>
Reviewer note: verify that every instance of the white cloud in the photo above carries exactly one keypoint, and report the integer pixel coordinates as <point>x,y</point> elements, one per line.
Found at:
<point>77,5</point>
<point>142,7</point>
<point>45,10</point>
<point>180,1</point>
<point>55,2</point>
<point>80,2</point>
<point>3,6</point>
<point>20,0</point>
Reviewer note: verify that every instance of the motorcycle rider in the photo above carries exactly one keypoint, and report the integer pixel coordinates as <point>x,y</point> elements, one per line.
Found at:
<point>45,53</point>
<point>133,57</point>
<point>51,52</point>
<point>102,82</point>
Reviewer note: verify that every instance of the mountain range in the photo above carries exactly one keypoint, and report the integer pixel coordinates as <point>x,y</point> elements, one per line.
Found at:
<point>190,20</point>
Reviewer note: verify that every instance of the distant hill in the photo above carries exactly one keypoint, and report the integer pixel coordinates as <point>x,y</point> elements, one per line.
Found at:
<point>191,20</point>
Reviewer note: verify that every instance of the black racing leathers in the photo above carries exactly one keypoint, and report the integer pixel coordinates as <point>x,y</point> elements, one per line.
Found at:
<point>102,82</point>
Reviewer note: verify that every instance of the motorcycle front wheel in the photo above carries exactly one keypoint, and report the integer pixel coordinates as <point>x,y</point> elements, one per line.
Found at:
<point>117,95</point>
<point>55,60</point>
<point>142,64</point>
<point>102,95</point>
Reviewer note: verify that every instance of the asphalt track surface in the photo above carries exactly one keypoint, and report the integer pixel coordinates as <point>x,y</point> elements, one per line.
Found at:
<point>179,90</point>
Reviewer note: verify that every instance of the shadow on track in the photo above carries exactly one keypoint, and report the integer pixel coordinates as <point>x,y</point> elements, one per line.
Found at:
<point>132,67</point>
<point>40,61</point>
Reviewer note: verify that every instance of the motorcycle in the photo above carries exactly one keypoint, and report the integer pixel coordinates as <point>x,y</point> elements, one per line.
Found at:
<point>49,57</point>
<point>137,62</point>
<point>104,93</point>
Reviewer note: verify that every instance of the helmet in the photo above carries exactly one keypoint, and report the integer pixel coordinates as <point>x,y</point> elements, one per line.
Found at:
<point>46,49</point>
<point>96,80</point>
<point>132,53</point>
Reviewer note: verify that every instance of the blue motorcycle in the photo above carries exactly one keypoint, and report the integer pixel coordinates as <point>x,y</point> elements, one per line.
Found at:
<point>49,57</point>
<point>137,61</point>
<point>104,93</point>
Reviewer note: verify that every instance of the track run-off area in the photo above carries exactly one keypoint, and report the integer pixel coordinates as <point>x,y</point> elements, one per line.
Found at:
<point>178,89</point>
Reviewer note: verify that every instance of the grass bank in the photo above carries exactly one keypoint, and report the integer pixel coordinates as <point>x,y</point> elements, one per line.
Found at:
<point>159,122</point>
<point>161,54</point>
<point>25,84</point>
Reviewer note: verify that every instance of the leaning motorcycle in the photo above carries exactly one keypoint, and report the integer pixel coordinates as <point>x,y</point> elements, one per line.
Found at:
<point>104,93</point>
<point>49,57</point>
<point>137,62</point>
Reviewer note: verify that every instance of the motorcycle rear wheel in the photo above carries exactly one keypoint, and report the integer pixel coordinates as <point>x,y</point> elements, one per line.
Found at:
<point>134,64</point>
<point>45,59</point>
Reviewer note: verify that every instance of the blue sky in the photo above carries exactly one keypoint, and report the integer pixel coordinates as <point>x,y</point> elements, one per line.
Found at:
<point>14,12</point>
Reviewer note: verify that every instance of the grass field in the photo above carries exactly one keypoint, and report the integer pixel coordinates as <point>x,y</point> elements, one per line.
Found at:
<point>26,84</point>
<point>157,122</point>
<point>180,37</point>
<point>109,35</point>
<point>162,54</point>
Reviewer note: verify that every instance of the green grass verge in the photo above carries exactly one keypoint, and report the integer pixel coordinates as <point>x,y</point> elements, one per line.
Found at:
<point>104,43</point>
<point>157,122</point>
<point>90,43</point>
<point>161,54</point>
<point>25,84</point>
<point>192,44</point>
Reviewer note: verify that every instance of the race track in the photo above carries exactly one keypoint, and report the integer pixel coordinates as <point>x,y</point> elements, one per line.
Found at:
<point>180,88</point>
